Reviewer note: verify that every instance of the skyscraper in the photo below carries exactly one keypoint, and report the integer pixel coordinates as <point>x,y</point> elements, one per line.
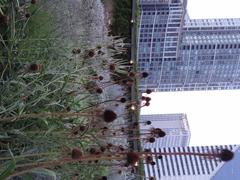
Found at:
<point>186,54</point>
<point>174,125</point>
<point>189,167</point>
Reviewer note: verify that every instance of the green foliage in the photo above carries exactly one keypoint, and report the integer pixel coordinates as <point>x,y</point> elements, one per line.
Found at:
<point>41,75</point>
<point>121,19</point>
<point>91,171</point>
<point>8,170</point>
<point>37,72</point>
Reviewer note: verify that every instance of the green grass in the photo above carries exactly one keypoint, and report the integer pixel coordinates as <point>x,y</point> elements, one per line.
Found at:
<point>121,18</point>
<point>37,73</point>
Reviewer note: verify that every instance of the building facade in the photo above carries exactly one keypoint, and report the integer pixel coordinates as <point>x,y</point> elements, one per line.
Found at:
<point>186,54</point>
<point>186,167</point>
<point>174,125</point>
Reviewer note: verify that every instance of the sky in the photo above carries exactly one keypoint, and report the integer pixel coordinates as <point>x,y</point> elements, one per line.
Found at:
<point>213,116</point>
<point>203,9</point>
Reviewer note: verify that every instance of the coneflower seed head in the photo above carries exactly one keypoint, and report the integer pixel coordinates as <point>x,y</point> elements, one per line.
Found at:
<point>151,139</point>
<point>132,158</point>
<point>109,116</point>
<point>123,100</point>
<point>99,90</point>
<point>148,91</point>
<point>148,122</point>
<point>145,74</point>
<point>76,153</point>
<point>33,1</point>
<point>226,155</point>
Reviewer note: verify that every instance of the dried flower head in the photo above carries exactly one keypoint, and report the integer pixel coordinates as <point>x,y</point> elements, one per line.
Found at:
<point>121,148</point>
<point>123,100</point>
<point>149,159</point>
<point>82,128</point>
<point>92,150</point>
<point>147,104</point>
<point>161,134</point>
<point>153,163</point>
<point>103,148</point>
<point>104,178</point>
<point>112,67</point>
<point>34,67</point>
<point>109,145</point>
<point>132,158</point>
<point>148,91</point>
<point>109,116</point>
<point>76,153</point>
<point>226,155</point>
<point>78,50</point>
<point>149,122</point>
<point>100,78</point>
<point>151,178</point>
<point>160,157</point>
<point>90,52</point>
<point>151,139</point>
<point>99,90</point>
<point>148,99</point>
<point>33,1</point>
<point>27,15</point>
<point>74,51</point>
<point>144,74</point>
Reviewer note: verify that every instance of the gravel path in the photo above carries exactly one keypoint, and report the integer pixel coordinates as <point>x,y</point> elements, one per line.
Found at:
<point>80,22</point>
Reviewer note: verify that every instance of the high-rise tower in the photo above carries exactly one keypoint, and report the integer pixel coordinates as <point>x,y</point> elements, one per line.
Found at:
<point>187,54</point>
<point>174,125</point>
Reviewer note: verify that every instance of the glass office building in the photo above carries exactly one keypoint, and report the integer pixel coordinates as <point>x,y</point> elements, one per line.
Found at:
<point>186,54</point>
<point>189,167</point>
<point>174,125</point>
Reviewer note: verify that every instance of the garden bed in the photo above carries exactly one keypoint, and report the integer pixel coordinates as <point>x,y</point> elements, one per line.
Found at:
<point>56,83</point>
